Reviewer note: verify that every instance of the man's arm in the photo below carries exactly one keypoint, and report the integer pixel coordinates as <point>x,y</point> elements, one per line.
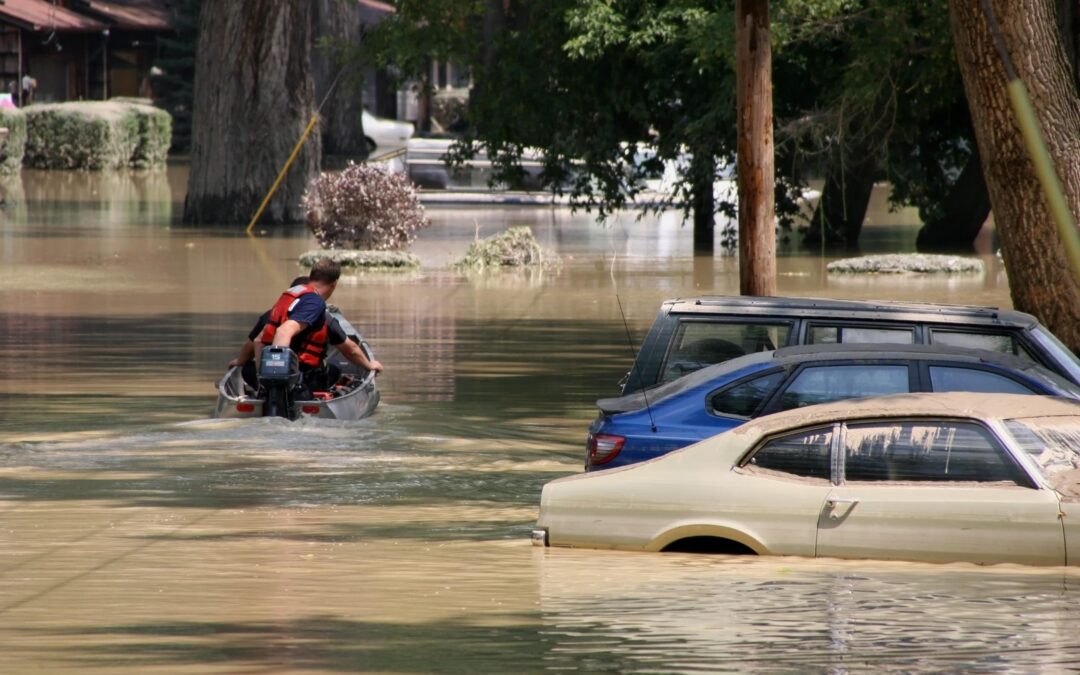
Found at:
<point>247,352</point>
<point>286,331</point>
<point>351,351</point>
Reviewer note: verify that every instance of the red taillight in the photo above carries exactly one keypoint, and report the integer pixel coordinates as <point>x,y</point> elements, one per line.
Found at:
<point>603,448</point>
<point>245,407</point>
<point>310,409</point>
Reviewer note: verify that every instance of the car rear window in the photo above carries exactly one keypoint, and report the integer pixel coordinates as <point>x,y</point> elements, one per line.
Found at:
<point>697,344</point>
<point>746,397</point>
<point>806,453</point>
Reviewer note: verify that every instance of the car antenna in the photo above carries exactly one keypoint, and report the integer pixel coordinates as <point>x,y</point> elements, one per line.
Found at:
<point>630,341</point>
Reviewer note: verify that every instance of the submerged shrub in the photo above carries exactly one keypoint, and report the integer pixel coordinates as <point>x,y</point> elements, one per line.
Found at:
<point>363,207</point>
<point>11,154</point>
<point>516,247</point>
<point>363,259</point>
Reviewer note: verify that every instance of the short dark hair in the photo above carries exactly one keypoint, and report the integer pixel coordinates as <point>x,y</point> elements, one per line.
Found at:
<point>325,270</point>
<point>299,280</point>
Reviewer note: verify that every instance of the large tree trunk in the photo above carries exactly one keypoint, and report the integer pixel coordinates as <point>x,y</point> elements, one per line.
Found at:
<point>756,171</point>
<point>966,208</point>
<point>849,183</point>
<point>253,99</point>
<point>340,117</point>
<point>703,180</point>
<point>1040,279</point>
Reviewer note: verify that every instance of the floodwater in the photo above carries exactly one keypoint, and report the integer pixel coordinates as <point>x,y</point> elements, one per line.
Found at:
<point>139,536</point>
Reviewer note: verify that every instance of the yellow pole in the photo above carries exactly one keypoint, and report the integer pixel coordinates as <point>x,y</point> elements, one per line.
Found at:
<point>284,170</point>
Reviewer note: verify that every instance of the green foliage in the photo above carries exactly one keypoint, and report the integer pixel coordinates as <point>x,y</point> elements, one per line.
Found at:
<point>154,134</point>
<point>175,85</point>
<point>95,135</point>
<point>11,154</point>
<point>420,30</point>
<point>589,83</point>
<point>874,77</point>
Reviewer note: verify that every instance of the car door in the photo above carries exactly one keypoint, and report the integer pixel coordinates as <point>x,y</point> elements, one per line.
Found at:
<point>936,491</point>
<point>782,488</point>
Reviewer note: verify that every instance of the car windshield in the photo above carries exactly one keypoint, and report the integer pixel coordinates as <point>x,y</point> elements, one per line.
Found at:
<point>698,344</point>
<point>1054,444</point>
<point>1062,355</point>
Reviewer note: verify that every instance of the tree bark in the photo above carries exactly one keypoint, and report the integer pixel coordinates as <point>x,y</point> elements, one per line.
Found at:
<point>1041,281</point>
<point>756,171</point>
<point>340,117</point>
<point>845,197</point>
<point>966,208</point>
<point>254,97</point>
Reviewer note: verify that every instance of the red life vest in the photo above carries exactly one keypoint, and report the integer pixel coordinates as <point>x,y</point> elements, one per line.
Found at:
<point>309,344</point>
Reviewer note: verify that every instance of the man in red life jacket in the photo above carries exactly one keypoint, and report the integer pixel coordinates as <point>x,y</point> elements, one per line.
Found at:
<point>336,336</point>
<point>299,321</point>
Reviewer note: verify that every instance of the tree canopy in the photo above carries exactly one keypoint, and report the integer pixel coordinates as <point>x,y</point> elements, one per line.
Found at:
<point>589,83</point>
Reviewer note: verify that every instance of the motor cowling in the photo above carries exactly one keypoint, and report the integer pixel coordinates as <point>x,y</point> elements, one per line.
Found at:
<point>279,366</point>
<point>279,373</point>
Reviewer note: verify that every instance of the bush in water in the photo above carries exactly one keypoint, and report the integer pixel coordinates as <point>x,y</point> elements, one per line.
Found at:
<point>11,154</point>
<point>96,135</point>
<point>516,247</point>
<point>363,207</point>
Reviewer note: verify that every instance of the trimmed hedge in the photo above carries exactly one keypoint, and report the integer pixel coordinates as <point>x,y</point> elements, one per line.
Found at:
<point>11,154</point>
<point>96,135</point>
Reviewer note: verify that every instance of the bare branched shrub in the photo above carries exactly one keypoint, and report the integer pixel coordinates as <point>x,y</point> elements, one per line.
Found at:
<point>363,207</point>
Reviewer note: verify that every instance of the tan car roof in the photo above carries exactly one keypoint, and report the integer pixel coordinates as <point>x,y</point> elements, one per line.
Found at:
<point>994,406</point>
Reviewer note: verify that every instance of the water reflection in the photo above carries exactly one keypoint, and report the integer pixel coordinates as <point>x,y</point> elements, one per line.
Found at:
<point>139,535</point>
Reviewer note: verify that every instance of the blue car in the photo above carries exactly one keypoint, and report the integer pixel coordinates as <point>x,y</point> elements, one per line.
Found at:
<point>653,422</point>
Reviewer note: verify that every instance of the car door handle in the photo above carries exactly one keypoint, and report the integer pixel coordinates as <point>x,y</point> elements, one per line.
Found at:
<point>832,503</point>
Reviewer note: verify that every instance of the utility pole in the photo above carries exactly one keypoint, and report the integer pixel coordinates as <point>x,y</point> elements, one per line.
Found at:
<point>756,161</point>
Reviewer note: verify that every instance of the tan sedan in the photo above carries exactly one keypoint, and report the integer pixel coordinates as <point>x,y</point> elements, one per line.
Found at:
<point>984,478</point>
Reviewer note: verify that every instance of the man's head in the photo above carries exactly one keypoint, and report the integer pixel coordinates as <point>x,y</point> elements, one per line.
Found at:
<point>324,276</point>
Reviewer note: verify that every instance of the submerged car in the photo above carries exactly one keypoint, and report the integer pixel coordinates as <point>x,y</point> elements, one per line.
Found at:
<point>983,478</point>
<point>691,333</point>
<point>650,423</point>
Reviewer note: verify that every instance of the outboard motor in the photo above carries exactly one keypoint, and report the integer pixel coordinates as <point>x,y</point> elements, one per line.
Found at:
<point>279,373</point>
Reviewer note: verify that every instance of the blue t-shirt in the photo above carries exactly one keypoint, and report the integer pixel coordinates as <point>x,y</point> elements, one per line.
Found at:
<point>309,309</point>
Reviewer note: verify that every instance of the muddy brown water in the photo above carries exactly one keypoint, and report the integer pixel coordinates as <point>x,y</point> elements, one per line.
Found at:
<point>139,536</point>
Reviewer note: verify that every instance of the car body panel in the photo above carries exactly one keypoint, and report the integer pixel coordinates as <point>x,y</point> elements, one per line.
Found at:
<point>715,488</point>
<point>943,523</point>
<point>646,511</point>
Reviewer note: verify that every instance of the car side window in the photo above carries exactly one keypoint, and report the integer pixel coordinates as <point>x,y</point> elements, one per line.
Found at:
<point>806,453</point>
<point>697,344</point>
<point>926,451</point>
<point>951,378</point>
<point>821,384</point>
<point>820,334</point>
<point>746,397</point>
